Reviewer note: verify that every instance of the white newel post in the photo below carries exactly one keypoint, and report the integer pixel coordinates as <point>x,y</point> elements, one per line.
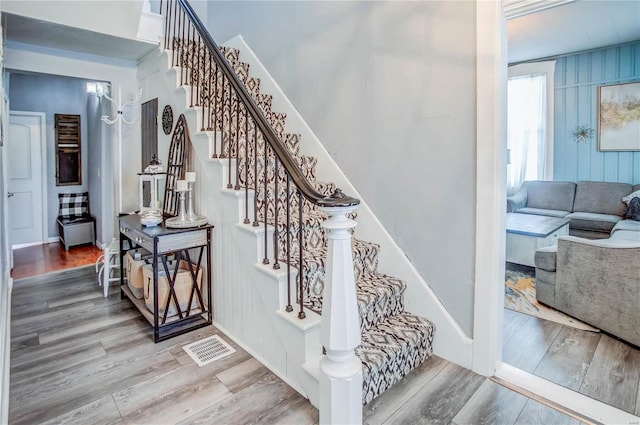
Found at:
<point>340,369</point>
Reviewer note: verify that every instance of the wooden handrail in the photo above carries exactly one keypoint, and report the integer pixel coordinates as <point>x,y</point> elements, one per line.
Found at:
<point>337,199</point>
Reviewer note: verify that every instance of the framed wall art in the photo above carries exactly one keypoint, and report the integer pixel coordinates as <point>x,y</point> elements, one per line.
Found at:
<point>619,117</point>
<point>68,150</point>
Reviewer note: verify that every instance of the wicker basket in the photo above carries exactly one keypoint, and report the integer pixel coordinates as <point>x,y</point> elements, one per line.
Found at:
<point>182,288</point>
<point>133,270</point>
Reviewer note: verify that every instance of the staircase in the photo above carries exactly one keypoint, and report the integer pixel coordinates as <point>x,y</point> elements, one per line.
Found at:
<point>287,224</point>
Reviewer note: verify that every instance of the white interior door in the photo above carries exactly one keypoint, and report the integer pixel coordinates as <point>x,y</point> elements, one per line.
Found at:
<point>24,178</point>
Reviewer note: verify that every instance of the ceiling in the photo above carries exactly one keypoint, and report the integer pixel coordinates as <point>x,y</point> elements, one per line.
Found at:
<point>572,27</point>
<point>536,29</point>
<point>40,33</point>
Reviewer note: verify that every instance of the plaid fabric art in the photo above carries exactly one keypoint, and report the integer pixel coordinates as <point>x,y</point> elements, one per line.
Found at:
<point>73,205</point>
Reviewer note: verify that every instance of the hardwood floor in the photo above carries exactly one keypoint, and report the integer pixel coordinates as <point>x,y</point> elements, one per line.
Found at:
<point>80,358</point>
<point>593,364</point>
<point>77,357</point>
<point>46,258</point>
<point>440,392</point>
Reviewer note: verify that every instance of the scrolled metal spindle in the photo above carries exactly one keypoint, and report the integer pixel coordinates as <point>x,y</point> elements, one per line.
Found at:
<point>210,91</point>
<point>215,115</point>
<point>246,167</point>
<point>204,95</point>
<point>193,66</point>
<point>265,260</point>
<point>174,34</point>
<point>255,174</point>
<point>223,100</point>
<point>167,18</point>
<point>230,138</point>
<point>289,307</point>
<point>301,314</point>
<point>177,41</point>
<point>237,139</point>
<point>185,48</point>
<point>276,199</point>
<point>197,69</point>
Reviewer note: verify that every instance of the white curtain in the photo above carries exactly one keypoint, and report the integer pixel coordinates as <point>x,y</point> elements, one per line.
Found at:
<point>526,129</point>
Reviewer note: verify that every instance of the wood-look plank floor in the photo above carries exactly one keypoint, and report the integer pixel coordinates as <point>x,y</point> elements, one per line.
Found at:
<point>46,258</point>
<point>594,364</point>
<point>79,358</point>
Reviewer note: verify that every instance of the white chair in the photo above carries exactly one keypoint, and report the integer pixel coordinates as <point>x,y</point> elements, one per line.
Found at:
<point>108,265</point>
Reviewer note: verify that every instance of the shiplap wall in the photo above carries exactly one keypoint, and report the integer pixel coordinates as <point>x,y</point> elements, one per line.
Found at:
<point>577,78</point>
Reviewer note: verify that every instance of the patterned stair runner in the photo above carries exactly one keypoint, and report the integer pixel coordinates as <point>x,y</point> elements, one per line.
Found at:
<point>394,342</point>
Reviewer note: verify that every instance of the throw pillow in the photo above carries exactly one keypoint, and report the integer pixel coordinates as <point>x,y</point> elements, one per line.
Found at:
<point>630,196</point>
<point>73,205</point>
<point>633,210</point>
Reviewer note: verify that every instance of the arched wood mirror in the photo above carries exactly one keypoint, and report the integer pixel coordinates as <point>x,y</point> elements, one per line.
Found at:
<point>175,166</point>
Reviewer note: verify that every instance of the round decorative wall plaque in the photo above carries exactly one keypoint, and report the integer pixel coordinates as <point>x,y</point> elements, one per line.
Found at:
<point>167,119</point>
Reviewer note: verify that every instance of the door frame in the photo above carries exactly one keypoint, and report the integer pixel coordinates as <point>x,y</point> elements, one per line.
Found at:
<point>43,178</point>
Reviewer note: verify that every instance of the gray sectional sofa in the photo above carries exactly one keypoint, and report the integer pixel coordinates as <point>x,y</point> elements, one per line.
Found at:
<point>594,274</point>
<point>593,208</point>
<point>596,281</point>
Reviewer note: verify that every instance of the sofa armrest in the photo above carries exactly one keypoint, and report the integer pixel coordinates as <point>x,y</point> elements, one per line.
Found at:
<point>597,282</point>
<point>545,258</point>
<point>517,200</point>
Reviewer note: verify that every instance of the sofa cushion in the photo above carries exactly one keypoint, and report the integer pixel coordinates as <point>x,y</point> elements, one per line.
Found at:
<point>592,221</point>
<point>626,235</point>
<point>601,197</point>
<point>550,195</point>
<point>545,258</point>
<point>629,197</point>
<point>589,234</point>
<point>540,211</point>
<point>627,225</point>
<point>633,210</point>
<point>636,187</point>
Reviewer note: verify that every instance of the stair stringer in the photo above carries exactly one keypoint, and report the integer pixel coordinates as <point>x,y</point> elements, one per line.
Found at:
<point>247,300</point>
<point>451,343</point>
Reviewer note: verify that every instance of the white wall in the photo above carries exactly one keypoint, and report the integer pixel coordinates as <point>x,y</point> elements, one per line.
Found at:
<point>389,88</point>
<point>113,17</point>
<point>26,58</point>
<point>201,8</point>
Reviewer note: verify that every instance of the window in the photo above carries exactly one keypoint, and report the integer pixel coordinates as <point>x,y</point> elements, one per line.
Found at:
<point>530,123</point>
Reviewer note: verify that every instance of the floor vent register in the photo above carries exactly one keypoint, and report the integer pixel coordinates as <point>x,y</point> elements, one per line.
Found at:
<point>208,350</point>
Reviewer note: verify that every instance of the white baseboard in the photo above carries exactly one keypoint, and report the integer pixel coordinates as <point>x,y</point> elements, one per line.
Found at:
<point>584,408</point>
<point>26,245</point>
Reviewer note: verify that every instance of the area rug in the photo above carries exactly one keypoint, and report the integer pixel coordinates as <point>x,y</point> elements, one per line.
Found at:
<point>520,296</point>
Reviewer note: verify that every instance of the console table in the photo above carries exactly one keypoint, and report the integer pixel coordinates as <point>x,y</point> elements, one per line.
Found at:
<point>183,244</point>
